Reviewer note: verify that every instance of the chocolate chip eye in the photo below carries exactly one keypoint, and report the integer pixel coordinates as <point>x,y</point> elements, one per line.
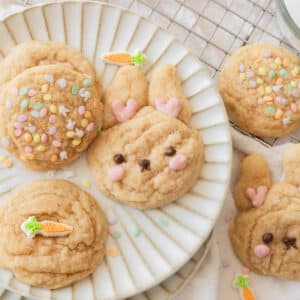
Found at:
<point>119,158</point>
<point>144,164</point>
<point>289,242</point>
<point>267,238</point>
<point>170,151</point>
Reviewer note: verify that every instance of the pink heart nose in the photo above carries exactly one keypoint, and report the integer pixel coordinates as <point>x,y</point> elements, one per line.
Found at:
<point>178,162</point>
<point>124,113</point>
<point>169,107</point>
<point>116,173</point>
<point>261,250</point>
<point>257,196</point>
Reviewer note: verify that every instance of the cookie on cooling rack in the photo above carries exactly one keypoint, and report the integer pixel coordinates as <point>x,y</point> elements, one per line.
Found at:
<point>52,234</point>
<point>265,235</point>
<point>260,86</point>
<point>148,161</point>
<point>49,115</point>
<point>125,95</point>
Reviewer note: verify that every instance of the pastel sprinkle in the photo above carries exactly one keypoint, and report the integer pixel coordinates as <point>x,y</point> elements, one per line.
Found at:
<point>278,61</point>
<point>35,113</point>
<point>90,127</point>
<point>9,104</point>
<point>242,68</point>
<point>268,90</point>
<point>56,143</point>
<point>74,90</point>
<point>53,108</point>
<point>81,110</point>
<point>2,158</point>
<point>79,133</point>
<point>36,138</point>
<point>44,138</point>
<point>242,76</point>
<point>293,83</point>
<point>63,155</point>
<point>136,232</point>
<point>294,107</point>
<point>274,66</point>
<point>86,184</point>
<point>262,71</point>
<point>284,101</point>
<point>62,83</point>
<point>261,90</point>
<point>49,78</point>
<point>52,130</point>
<point>76,142</point>
<point>41,148</point>
<point>28,149</point>
<point>47,97</point>
<point>23,90</point>
<point>112,252</point>
<point>84,123</point>
<point>250,74</point>
<point>87,82</point>
<point>252,84</point>
<point>38,105</point>
<point>260,101</point>
<point>63,110</point>
<point>259,81</point>
<point>278,114</point>
<point>24,103</point>
<point>277,88</point>
<point>271,110</point>
<point>116,235</point>
<point>18,125</point>
<point>30,128</point>
<point>32,92</point>
<point>27,137</point>
<point>5,142</point>
<point>70,134</point>
<point>70,124</point>
<point>52,119</point>
<point>272,74</point>
<point>22,118</point>
<point>295,94</point>
<point>266,54</point>
<point>286,120</point>
<point>283,72</point>
<point>43,112</point>
<point>45,88</point>
<point>14,91</point>
<point>18,132</point>
<point>163,222</point>
<point>290,87</point>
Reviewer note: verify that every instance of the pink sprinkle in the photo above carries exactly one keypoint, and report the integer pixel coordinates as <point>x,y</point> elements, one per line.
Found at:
<point>44,138</point>
<point>18,132</point>
<point>18,125</point>
<point>294,107</point>
<point>15,91</point>
<point>260,101</point>
<point>22,118</point>
<point>284,101</point>
<point>90,127</point>
<point>52,119</point>
<point>43,112</point>
<point>32,93</point>
<point>81,110</point>
<point>278,99</point>
<point>266,54</point>
<point>56,143</point>
<point>28,149</point>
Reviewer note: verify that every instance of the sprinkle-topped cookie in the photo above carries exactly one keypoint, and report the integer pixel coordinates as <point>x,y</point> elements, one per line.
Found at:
<point>49,116</point>
<point>261,89</point>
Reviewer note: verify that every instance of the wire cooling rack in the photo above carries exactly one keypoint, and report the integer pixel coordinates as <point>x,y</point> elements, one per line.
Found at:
<point>213,29</point>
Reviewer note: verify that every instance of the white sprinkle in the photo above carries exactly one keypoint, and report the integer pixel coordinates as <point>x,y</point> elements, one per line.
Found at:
<point>30,128</point>
<point>266,54</point>
<point>35,113</point>
<point>49,78</point>
<point>70,124</point>
<point>250,74</point>
<point>62,83</point>
<point>242,68</point>
<point>5,142</point>
<point>284,101</point>
<point>63,155</point>
<point>9,104</point>
<point>286,120</point>
<point>82,92</point>
<point>252,84</point>
<point>79,133</point>
<point>277,88</point>
<point>63,110</point>
<point>239,81</point>
<point>52,130</point>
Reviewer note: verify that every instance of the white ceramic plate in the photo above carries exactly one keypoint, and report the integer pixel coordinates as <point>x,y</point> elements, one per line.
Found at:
<point>171,235</point>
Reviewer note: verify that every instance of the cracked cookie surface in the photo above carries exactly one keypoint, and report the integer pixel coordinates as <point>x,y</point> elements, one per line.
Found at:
<point>52,262</point>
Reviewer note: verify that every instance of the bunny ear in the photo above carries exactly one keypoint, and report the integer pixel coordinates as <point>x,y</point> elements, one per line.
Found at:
<point>254,182</point>
<point>291,165</point>
<point>126,94</point>
<point>166,94</point>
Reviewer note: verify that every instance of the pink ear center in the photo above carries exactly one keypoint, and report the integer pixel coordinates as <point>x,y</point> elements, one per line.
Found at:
<point>178,162</point>
<point>170,107</point>
<point>123,112</point>
<point>257,196</point>
<point>261,250</point>
<point>116,173</point>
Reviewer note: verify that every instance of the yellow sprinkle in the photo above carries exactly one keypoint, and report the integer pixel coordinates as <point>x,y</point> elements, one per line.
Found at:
<point>70,134</point>
<point>261,90</point>
<point>268,90</point>
<point>86,184</point>
<point>278,114</point>
<point>27,137</point>
<point>8,163</point>
<point>53,108</point>
<point>243,76</point>
<point>76,142</point>
<point>262,71</point>
<point>2,158</point>
<point>278,61</point>
<point>274,66</point>
<point>47,97</point>
<point>293,83</point>
<point>84,123</point>
<point>36,138</point>
<point>259,81</point>
<point>41,148</point>
<point>45,88</point>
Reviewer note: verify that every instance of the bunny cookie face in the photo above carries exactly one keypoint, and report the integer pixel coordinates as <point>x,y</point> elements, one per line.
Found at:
<point>148,161</point>
<point>266,237</point>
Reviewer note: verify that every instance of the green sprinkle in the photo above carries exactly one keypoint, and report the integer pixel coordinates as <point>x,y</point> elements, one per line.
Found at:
<point>136,232</point>
<point>24,103</point>
<point>242,282</point>
<point>23,90</point>
<point>139,58</point>
<point>74,90</point>
<point>283,72</point>
<point>290,87</point>
<point>272,74</point>
<point>99,127</point>
<point>163,222</point>
<point>87,82</point>
<point>38,105</point>
<point>271,110</point>
<point>116,235</point>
